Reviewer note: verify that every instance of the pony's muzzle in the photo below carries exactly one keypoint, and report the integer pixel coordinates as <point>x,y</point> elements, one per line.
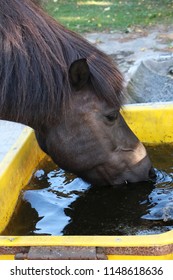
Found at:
<point>139,167</point>
<point>142,171</point>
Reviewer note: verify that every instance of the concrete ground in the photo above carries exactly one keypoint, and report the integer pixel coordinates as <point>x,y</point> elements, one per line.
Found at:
<point>128,49</point>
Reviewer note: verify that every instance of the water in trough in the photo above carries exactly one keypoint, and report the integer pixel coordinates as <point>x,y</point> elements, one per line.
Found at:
<point>57,203</point>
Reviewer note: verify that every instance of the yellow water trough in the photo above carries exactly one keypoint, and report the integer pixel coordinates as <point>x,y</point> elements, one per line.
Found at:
<point>152,123</point>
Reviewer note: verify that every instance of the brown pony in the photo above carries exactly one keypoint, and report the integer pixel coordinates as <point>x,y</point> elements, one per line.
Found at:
<point>70,93</point>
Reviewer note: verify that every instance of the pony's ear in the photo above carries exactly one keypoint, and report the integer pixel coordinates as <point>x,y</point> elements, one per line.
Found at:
<point>79,73</point>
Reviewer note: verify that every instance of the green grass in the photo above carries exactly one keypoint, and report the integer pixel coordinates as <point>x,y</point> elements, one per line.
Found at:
<point>89,16</point>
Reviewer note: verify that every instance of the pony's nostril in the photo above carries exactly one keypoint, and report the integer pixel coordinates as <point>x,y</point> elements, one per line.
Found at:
<point>152,174</point>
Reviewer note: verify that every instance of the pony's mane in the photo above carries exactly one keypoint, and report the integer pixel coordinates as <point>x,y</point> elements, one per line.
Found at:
<point>35,55</point>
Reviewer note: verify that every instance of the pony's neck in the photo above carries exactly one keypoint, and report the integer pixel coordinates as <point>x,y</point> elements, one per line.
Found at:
<point>18,118</point>
<point>33,117</point>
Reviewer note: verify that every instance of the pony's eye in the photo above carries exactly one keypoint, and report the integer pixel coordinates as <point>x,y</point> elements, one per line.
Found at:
<point>112,116</point>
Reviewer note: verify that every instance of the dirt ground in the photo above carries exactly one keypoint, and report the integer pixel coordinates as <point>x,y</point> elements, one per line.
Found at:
<point>137,44</point>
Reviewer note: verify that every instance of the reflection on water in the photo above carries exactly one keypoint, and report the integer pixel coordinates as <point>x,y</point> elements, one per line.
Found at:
<point>58,203</point>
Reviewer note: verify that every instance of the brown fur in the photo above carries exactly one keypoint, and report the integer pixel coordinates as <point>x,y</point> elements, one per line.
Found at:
<point>35,55</point>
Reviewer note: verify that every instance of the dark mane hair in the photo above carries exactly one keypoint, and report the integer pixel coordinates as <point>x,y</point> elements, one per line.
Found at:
<point>35,55</point>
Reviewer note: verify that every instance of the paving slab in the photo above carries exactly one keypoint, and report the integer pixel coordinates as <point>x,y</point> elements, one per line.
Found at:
<point>9,133</point>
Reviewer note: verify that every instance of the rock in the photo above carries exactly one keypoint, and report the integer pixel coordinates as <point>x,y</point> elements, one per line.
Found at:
<point>152,82</point>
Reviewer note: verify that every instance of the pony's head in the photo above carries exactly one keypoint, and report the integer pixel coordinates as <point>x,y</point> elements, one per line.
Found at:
<point>71,93</point>
<point>91,138</point>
